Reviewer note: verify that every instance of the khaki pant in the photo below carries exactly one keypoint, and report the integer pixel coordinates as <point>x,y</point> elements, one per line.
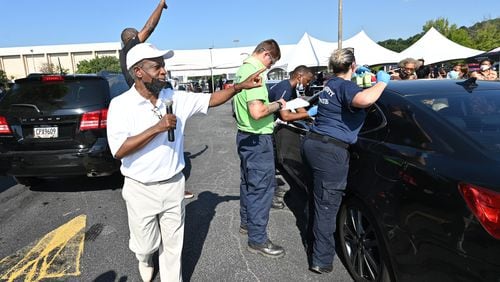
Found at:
<point>156,222</point>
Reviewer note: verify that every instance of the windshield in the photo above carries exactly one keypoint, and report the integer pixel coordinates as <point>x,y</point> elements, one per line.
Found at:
<point>476,114</point>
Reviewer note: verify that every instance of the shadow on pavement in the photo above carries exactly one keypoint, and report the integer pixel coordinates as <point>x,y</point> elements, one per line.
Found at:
<point>297,200</point>
<point>80,183</point>
<point>199,214</point>
<point>110,276</point>
<point>187,159</point>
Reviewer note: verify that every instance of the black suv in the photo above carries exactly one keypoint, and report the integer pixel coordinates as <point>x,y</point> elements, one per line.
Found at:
<point>55,125</point>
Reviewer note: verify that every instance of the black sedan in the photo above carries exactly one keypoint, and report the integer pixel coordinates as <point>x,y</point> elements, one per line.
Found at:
<point>423,195</point>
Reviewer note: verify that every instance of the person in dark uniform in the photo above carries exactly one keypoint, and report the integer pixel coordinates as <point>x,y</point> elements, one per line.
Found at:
<point>340,117</point>
<point>289,89</point>
<point>131,37</point>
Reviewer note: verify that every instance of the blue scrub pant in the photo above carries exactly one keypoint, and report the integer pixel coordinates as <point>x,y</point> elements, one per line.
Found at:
<point>257,183</point>
<point>329,164</point>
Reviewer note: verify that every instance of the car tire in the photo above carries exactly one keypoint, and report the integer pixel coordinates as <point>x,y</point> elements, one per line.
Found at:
<point>28,181</point>
<point>360,244</point>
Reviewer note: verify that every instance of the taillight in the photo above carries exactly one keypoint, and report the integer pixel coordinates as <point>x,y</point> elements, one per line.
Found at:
<point>4,126</point>
<point>485,205</point>
<point>94,120</point>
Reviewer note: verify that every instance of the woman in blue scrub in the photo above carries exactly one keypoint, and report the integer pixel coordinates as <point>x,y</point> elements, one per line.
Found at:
<point>340,116</point>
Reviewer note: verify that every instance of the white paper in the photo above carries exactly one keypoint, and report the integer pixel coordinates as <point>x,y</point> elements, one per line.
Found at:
<point>296,103</point>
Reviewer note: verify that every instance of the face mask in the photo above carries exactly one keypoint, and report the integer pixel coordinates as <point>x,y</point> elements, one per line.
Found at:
<point>485,67</point>
<point>155,86</point>
<point>300,89</point>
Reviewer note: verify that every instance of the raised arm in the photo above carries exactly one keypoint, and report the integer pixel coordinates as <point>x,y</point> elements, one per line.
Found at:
<point>152,22</point>
<point>221,96</point>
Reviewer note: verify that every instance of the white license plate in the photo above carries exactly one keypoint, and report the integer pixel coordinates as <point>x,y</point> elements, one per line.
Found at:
<point>45,132</point>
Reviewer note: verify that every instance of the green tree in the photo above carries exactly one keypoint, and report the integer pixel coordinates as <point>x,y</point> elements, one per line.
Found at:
<point>3,79</point>
<point>487,37</point>
<point>107,63</point>
<point>51,68</point>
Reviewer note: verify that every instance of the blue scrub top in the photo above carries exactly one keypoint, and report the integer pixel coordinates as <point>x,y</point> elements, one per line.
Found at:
<point>336,116</point>
<point>283,88</point>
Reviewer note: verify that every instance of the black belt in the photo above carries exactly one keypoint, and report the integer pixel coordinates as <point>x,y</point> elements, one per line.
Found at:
<point>327,139</point>
<point>154,182</point>
<point>251,133</point>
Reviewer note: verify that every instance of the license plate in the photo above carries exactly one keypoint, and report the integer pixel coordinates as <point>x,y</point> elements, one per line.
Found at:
<point>45,132</point>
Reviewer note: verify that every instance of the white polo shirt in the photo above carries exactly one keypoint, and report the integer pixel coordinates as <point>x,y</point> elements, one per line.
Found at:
<point>130,114</point>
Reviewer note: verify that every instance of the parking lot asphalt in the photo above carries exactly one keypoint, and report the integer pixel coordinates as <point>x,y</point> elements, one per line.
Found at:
<point>214,250</point>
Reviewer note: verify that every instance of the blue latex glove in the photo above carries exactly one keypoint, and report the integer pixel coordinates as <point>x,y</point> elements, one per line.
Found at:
<point>384,77</point>
<point>312,111</point>
<point>361,70</point>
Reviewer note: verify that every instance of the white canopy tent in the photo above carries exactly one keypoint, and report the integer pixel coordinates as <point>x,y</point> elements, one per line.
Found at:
<point>313,52</point>
<point>434,47</point>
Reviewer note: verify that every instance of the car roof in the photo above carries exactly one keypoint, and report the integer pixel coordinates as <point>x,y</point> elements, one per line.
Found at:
<point>442,86</point>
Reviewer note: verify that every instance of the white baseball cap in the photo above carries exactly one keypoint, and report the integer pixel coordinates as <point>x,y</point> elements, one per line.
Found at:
<point>143,51</point>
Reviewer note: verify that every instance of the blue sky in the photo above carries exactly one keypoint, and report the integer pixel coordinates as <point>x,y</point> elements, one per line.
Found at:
<point>198,24</point>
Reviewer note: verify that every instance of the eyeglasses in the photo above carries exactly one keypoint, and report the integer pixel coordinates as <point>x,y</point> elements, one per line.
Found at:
<point>409,69</point>
<point>157,112</point>
<point>273,59</point>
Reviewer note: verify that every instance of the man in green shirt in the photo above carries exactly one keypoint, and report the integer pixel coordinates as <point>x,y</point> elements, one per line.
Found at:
<point>254,115</point>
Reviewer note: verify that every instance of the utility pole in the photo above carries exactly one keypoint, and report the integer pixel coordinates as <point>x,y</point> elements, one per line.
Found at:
<point>211,70</point>
<point>340,26</point>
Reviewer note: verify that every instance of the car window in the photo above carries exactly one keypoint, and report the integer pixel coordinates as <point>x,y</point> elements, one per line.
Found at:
<point>117,85</point>
<point>402,123</point>
<point>476,115</point>
<point>68,94</point>
<point>374,121</point>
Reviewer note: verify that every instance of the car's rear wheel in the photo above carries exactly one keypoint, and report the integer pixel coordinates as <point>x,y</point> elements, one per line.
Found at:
<point>28,181</point>
<point>360,244</point>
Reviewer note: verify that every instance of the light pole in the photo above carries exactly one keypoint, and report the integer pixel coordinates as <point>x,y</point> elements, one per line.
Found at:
<point>211,70</point>
<point>340,26</point>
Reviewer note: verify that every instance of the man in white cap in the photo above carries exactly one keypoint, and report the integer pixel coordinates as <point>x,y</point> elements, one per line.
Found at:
<point>138,128</point>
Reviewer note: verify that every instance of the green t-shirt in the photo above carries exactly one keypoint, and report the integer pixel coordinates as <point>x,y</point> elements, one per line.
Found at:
<point>245,121</point>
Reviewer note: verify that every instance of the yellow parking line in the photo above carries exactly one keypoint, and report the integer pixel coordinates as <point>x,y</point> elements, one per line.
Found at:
<point>56,255</point>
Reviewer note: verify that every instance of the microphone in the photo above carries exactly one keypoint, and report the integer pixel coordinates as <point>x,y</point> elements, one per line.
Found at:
<point>168,105</point>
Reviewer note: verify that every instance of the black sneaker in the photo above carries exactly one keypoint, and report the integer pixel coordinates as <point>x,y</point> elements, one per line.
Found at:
<point>268,249</point>
<point>321,269</point>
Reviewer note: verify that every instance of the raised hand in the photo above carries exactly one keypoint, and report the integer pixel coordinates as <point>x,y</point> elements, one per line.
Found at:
<point>254,80</point>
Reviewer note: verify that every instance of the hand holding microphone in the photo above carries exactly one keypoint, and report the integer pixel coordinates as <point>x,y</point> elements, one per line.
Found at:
<point>168,105</point>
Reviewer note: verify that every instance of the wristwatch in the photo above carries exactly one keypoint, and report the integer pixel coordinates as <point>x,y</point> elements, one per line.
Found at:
<point>281,105</point>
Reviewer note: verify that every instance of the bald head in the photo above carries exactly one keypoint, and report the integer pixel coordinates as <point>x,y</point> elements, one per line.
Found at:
<point>128,34</point>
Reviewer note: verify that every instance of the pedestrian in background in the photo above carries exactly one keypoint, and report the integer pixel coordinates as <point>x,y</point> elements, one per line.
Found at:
<point>131,37</point>
<point>485,71</point>
<point>406,70</point>
<point>255,121</point>
<point>340,117</point>
<point>138,134</point>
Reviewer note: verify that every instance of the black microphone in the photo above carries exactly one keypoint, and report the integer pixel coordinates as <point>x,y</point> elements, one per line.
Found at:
<point>168,106</point>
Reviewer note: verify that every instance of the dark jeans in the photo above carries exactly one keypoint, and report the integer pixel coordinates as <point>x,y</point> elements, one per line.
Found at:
<point>257,183</point>
<point>329,164</point>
